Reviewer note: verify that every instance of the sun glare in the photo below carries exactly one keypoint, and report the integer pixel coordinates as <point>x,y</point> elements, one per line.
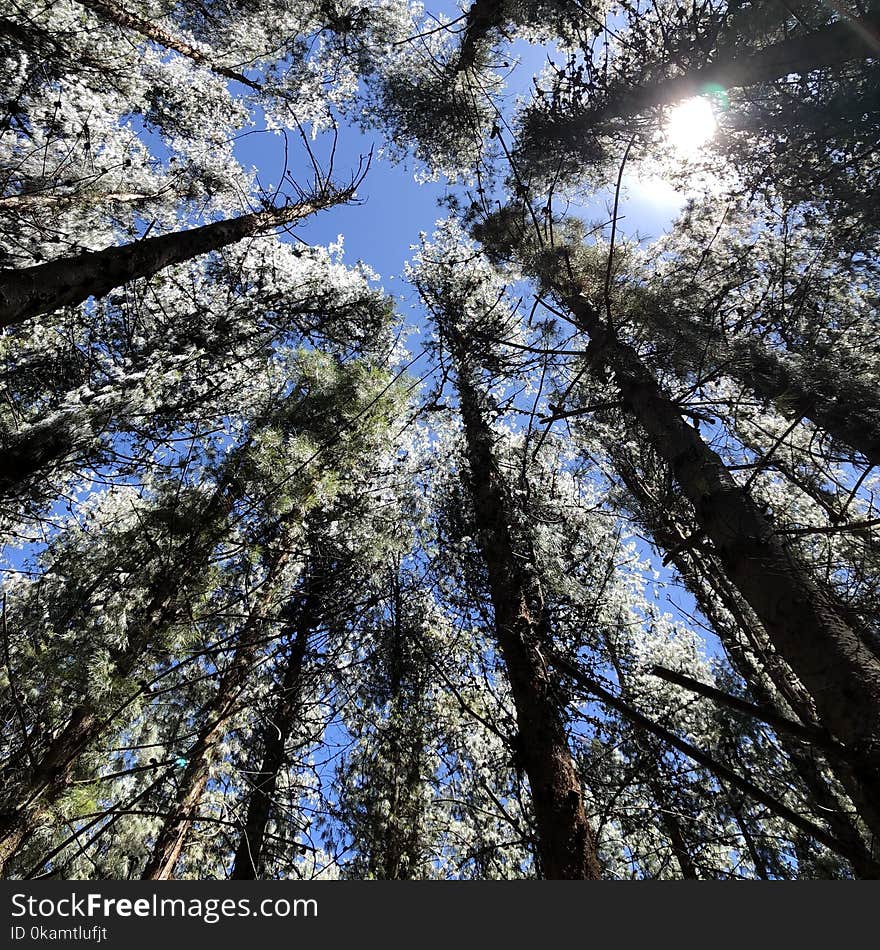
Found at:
<point>691,124</point>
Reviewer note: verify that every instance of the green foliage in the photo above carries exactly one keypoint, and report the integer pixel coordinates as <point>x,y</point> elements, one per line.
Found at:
<point>257,552</point>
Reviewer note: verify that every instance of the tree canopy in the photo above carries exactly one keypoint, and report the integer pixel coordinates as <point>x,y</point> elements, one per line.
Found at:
<point>561,562</point>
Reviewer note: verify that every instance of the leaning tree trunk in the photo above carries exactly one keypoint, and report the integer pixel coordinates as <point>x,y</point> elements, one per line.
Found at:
<point>841,42</point>
<point>305,615</point>
<point>152,31</point>
<point>44,288</point>
<point>67,438</point>
<point>215,717</point>
<point>809,387</point>
<point>769,678</point>
<point>36,201</point>
<point>802,621</point>
<point>68,435</point>
<point>651,752</point>
<point>566,845</point>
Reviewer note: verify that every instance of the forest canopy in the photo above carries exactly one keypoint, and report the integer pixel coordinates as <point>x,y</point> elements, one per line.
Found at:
<point>559,560</point>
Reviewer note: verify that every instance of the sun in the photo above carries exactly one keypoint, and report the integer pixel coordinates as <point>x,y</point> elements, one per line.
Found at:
<point>690,125</point>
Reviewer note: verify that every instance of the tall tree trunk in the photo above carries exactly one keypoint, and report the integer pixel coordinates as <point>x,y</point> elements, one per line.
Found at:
<point>68,437</point>
<point>277,730</point>
<point>769,677</point>
<point>14,830</point>
<point>802,621</point>
<point>777,689</point>
<point>482,17</point>
<point>832,398</point>
<point>758,859</point>
<point>113,13</point>
<point>40,447</point>
<point>675,832</point>
<point>44,288</point>
<point>651,751</point>
<point>566,844</point>
<point>398,854</point>
<point>34,201</point>
<point>182,815</point>
<point>44,446</point>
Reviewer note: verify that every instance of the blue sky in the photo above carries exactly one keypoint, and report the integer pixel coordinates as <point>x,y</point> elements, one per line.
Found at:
<point>393,208</point>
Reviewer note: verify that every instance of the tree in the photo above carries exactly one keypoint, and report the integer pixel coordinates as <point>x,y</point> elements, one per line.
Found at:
<point>584,586</point>
<point>47,287</point>
<point>180,351</point>
<point>565,840</point>
<point>803,621</point>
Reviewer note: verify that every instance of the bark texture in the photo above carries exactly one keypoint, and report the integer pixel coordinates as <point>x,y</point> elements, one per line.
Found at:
<point>801,619</point>
<point>566,844</point>
<point>67,281</point>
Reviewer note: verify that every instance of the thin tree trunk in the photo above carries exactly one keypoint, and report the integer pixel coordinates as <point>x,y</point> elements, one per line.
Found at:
<point>152,31</point>
<point>399,852</point>
<point>69,436</point>
<point>42,200</point>
<point>566,844</point>
<point>833,399</point>
<point>846,408</point>
<point>721,771</point>
<point>178,822</point>
<point>276,732</point>
<point>652,755</point>
<point>45,445</point>
<point>711,589</point>
<point>758,859</point>
<point>44,288</point>
<point>674,832</point>
<point>39,448</point>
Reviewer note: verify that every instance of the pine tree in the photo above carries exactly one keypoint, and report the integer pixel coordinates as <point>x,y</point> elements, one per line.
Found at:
<point>587,586</point>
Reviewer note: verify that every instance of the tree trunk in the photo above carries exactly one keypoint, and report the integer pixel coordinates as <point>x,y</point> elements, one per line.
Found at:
<point>42,200</point>
<point>398,854</point>
<point>39,448</point>
<point>674,832</point>
<point>650,751</point>
<point>69,433</point>
<point>247,865</point>
<point>758,860</point>
<point>482,17</point>
<point>47,780</point>
<point>276,732</point>
<point>183,813</point>
<point>151,31</point>
<point>801,620</point>
<point>785,696</point>
<point>566,845</point>
<point>841,42</point>
<point>44,288</point>
<point>831,397</point>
